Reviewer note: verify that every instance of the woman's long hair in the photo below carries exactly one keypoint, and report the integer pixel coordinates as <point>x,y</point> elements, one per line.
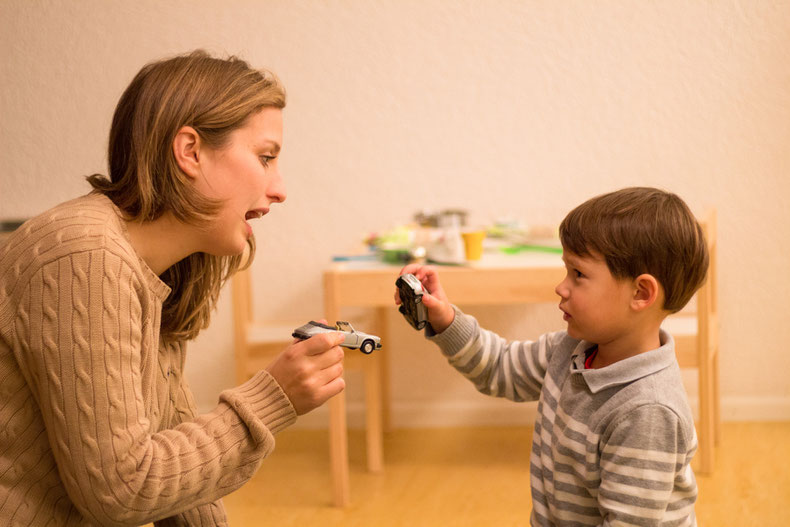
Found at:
<point>215,97</point>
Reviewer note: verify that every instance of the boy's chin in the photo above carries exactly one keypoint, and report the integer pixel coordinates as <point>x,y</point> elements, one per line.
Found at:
<point>575,333</point>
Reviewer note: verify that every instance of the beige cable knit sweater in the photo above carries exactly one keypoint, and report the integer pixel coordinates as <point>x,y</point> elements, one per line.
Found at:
<point>97,423</point>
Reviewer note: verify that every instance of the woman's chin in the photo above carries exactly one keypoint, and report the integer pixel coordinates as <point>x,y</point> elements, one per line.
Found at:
<point>227,249</point>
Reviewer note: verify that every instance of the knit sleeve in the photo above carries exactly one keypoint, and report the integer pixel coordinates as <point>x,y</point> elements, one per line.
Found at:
<point>511,369</point>
<point>646,478</point>
<point>206,515</point>
<point>78,335</point>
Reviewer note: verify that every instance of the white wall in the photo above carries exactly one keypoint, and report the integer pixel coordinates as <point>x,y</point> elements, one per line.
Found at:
<point>508,107</point>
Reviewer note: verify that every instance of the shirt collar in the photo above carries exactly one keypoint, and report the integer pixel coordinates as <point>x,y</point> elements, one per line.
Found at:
<point>626,370</point>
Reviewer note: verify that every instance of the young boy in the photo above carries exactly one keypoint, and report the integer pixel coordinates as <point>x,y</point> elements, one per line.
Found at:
<point>614,435</point>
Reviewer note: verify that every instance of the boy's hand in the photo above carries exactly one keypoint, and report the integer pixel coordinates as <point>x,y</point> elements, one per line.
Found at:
<point>440,312</point>
<point>310,371</point>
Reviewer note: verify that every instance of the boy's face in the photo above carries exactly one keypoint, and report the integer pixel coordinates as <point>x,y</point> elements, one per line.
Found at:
<point>594,303</point>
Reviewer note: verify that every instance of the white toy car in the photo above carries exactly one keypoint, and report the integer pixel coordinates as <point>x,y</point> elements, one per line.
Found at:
<point>353,339</point>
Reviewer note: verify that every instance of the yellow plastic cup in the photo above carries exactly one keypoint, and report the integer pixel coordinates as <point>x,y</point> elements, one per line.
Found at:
<point>473,244</point>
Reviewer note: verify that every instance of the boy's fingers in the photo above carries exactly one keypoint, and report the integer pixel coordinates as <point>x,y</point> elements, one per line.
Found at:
<point>426,272</point>
<point>434,303</point>
<point>409,269</point>
<point>430,301</point>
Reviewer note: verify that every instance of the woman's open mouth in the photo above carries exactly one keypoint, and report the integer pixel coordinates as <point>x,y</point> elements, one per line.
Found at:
<point>255,214</point>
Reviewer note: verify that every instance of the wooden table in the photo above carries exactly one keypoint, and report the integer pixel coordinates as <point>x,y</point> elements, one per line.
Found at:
<point>497,279</point>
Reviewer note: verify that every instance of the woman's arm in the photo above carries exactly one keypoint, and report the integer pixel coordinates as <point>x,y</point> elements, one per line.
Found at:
<point>209,514</point>
<point>81,326</point>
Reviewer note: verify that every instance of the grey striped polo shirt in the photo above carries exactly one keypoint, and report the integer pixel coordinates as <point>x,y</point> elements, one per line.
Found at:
<point>611,446</point>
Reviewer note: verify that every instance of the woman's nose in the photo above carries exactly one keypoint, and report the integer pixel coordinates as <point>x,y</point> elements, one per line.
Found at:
<point>276,190</point>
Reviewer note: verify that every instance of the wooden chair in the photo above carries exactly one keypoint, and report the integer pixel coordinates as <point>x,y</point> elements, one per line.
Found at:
<point>696,334</point>
<point>257,343</point>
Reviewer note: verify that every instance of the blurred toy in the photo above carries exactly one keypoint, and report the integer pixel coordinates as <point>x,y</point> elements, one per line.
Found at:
<point>449,248</point>
<point>353,339</point>
<point>413,310</point>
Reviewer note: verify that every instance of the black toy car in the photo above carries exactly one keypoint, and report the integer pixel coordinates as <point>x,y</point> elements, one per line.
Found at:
<point>413,310</point>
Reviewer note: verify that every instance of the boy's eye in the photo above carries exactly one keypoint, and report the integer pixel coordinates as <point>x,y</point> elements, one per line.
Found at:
<point>577,273</point>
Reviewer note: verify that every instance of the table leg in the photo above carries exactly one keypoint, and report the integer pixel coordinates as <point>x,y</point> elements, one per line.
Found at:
<point>338,428</point>
<point>384,363</point>
<point>338,449</point>
<point>374,433</point>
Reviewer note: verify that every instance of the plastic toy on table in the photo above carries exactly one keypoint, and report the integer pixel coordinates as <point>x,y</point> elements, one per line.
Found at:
<point>365,342</point>
<point>412,308</point>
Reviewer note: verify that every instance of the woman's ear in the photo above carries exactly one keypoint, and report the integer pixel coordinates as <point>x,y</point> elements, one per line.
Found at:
<point>647,291</point>
<point>186,149</point>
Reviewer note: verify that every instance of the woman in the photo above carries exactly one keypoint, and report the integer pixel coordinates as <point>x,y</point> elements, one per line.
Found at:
<point>99,295</point>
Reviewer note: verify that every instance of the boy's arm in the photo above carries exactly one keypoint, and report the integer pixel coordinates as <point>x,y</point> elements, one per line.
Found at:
<point>645,474</point>
<point>514,370</point>
<point>511,369</point>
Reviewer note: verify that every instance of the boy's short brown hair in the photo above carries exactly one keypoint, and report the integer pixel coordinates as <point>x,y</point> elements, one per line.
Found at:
<point>642,230</point>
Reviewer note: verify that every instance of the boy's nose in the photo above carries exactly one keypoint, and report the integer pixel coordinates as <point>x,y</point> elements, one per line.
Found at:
<point>561,290</point>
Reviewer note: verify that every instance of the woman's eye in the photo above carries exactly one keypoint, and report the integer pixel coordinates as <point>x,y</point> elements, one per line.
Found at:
<point>265,160</point>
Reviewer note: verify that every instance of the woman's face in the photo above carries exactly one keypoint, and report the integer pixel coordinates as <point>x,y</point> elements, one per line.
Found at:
<point>244,175</point>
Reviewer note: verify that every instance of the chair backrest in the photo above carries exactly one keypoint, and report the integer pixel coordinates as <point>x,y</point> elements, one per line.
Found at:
<point>255,340</point>
<point>707,298</point>
<point>242,317</point>
<point>694,327</point>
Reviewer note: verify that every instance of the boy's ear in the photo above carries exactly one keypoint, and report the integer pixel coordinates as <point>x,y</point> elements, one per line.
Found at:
<point>186,149</point>
<point>647,291</point>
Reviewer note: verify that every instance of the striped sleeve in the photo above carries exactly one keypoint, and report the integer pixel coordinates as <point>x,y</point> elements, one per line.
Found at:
<point>514,370</point>
<point>646,478</point>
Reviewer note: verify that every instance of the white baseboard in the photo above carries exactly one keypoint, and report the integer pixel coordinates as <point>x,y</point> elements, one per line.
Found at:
<point>497,412</point>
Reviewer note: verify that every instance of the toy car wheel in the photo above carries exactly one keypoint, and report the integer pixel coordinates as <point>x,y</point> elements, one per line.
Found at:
<point>366,347</point>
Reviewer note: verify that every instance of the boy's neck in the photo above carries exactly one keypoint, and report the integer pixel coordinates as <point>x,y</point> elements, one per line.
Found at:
<point>633,343</point>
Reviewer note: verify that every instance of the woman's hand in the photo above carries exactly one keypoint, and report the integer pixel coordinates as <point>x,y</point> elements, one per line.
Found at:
<point>440,312</point>
<point>310,371</point>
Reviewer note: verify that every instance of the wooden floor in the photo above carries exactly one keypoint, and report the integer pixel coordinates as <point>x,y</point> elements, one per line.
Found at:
<point>480,477</point>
